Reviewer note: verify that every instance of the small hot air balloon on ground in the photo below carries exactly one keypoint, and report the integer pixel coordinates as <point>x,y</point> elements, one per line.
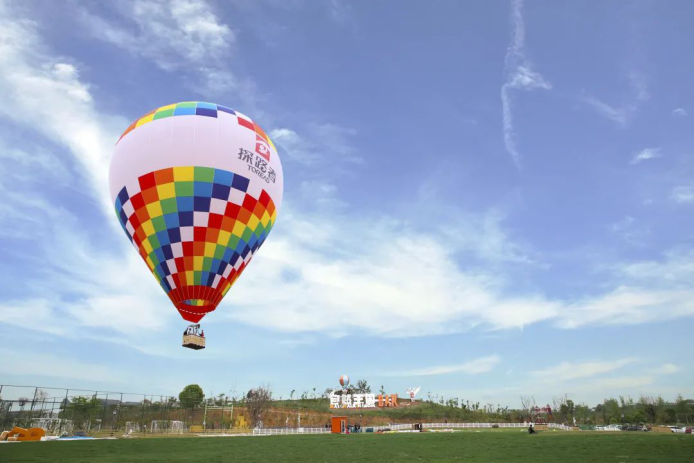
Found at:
<point>344,380</point>
<point>196,187</point>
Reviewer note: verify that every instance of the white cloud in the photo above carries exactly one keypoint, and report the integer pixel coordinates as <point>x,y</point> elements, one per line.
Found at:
<point>569,370</point>
<point>485,237</point>
<point>30,163</point>
<point>172,33</point>
<point>36,86</point>
<point>472,367</point>
<point>630,231</point>
<point>362,269</point>
<point>637,81</point>
<point>668,369</point>
<point>675,270</point>
<point>683,194</point>
<point>645,155</point>
<point>644,292</point>
<point>323,144</point>
<point>619,115</point>
<point>519,76</point>
<point>14,362</point>
<point>629,305</point>
<point>623,114</point>
<point>340,11</point>
<point>618,384</point>
<point>320,193</point>
<point>38,314</point>
<point>623,224</point>
<point>79,284</point>
<point>176,35</point>
<point>681,112</point>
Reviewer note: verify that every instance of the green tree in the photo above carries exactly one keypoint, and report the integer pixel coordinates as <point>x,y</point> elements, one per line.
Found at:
<point>638,417</point>
<point>191,396</point>
<point>670,415</point>
<point>582,413</point>
<point>363,387</point>
<point>84,405</point>
<point>650,407</point>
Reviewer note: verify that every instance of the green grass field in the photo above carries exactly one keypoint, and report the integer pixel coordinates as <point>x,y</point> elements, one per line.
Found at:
<point>469,446</point>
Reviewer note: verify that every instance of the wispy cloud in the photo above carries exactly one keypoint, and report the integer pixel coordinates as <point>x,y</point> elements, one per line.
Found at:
<point>639,86</point>
<point>619,115</point>
<point>172,33</point>
<point>630,231</point>
<point>322,144</point>
<point>622,114</point>
<point>472,367</point>
<point>340,11</point>
<point>519,76</point>
<point>683,194</point>
<point>486,237</point>
<point>14,362</point>
<point>645,155</point>
<point>681,112</point>
<point>177,35</point>
<point>320,193</point>
<point>615,385</point>
<point>668,369</point>
<point>358,267</point>
<point>629,305</point>
<point>40,86</point>
<point>569,370</point>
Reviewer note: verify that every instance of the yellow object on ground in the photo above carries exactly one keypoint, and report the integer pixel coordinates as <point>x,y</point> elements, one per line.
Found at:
<point>23,435</point>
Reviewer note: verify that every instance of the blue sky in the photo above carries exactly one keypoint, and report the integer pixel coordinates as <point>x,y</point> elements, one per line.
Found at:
<point>485,199</point>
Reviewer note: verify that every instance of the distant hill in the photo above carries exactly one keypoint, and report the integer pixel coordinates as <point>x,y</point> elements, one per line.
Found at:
<point>420,411</point>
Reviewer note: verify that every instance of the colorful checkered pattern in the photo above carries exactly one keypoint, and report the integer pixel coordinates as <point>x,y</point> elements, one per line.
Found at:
<point>197,229</point>
<point>197,108</point>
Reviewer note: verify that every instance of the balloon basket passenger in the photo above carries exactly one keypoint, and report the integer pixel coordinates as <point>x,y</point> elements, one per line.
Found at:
<point>194,337</point>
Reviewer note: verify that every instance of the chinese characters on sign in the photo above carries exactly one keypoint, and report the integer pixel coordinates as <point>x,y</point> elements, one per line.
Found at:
<point>362,400</point>
<point>258,165</point>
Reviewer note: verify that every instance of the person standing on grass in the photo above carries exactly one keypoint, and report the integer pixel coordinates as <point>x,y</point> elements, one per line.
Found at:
<point>531,430</point>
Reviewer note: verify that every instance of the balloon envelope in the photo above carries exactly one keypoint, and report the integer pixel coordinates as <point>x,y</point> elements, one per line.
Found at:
<point>196,187</point>
<point>344,380</point>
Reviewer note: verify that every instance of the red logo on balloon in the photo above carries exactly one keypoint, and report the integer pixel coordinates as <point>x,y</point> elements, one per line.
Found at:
<point>262,148</point>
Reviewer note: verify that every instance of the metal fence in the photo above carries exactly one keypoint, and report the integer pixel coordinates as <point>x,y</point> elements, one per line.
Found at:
<point>408,427</point>
<point>61,411</point>
<point>284,431</point>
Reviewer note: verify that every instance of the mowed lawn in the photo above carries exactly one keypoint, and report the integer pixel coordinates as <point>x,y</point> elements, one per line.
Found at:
<point>469,446</point>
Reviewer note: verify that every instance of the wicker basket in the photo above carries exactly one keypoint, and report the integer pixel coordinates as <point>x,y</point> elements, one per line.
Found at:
<point>193,342</point>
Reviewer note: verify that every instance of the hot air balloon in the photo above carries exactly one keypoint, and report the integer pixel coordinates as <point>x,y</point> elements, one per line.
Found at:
<point>344,380</point>
<point>196,187</point>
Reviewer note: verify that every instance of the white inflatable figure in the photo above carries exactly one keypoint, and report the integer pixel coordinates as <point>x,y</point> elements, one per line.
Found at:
<point>412,391</point>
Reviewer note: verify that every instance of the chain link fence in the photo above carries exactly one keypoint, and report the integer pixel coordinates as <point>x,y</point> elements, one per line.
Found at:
<point>70,411</point>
